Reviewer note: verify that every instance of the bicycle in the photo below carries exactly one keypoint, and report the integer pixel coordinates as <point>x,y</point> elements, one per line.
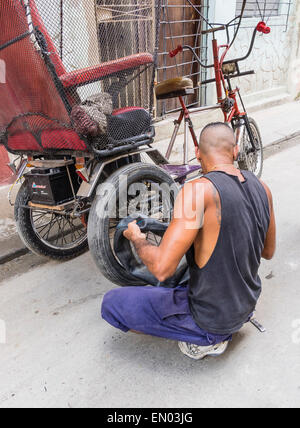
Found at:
<point>248,136</point>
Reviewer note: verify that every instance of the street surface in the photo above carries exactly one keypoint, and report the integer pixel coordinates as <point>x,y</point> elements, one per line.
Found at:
<point>59,352</point>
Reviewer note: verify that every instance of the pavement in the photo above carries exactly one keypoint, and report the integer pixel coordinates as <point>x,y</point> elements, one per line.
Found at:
<point>60,353</point>
<point>278,124</point>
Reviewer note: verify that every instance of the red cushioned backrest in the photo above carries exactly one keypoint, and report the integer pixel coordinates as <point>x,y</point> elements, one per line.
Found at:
<point>23,141</point>
<point>62,140</point>
<point>26,85</point>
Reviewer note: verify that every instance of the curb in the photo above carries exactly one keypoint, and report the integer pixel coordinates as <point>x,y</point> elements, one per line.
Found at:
<point>268,150</point>
<point>284,139</point>
<point>13,254</point>
<point>19,252</point>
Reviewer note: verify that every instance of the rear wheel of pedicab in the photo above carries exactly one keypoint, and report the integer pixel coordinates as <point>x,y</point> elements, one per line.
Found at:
<point>116,199</point>
<point>54,235</point>
<point>249,160</point>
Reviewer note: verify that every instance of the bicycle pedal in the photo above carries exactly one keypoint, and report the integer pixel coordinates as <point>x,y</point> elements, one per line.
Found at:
<point>259,326</point>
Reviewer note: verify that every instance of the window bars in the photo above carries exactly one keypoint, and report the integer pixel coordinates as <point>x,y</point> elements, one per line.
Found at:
<point>266,10</point>
<point>127,27</point>
<point>181,24</point>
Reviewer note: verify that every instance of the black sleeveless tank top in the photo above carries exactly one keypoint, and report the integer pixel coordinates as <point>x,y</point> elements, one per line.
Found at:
<point>225,291</point>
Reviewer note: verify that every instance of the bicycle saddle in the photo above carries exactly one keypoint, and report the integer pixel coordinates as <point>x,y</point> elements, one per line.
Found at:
<point>133,264</point>
<point>171,88</point>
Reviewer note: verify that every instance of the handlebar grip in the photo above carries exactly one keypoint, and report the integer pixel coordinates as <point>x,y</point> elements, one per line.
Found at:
<point>175,51</point>
<point>213,30</point>
<point>262,28</point>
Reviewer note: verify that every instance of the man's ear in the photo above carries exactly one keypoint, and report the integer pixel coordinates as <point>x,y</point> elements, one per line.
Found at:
<point>197,153</point>
<point>236,152</point>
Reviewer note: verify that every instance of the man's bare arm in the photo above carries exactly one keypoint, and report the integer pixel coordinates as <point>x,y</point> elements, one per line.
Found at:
<point>163,261</point>
<point>270,242</point>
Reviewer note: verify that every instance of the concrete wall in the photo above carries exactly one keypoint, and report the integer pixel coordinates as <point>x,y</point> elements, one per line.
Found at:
<point>80,40</point>
<point>80,45</point>
<point>294,69</point>
<point>271,57</point>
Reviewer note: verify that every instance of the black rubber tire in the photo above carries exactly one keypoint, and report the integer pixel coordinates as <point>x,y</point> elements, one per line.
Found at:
<point>29,237</point>
<point>243,163</point>
<point>98,225</point>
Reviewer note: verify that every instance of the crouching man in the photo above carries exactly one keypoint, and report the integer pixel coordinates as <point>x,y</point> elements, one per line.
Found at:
<point>224,252</point>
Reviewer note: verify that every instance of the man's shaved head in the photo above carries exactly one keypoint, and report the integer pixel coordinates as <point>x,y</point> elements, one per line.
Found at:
<point>217,138</point>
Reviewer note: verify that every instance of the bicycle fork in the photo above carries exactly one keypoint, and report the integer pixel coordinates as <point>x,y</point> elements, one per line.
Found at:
<point>239,125</point>
<point>246,125</point>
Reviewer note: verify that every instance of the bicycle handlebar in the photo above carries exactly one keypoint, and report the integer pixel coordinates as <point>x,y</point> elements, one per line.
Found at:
<point>213,30</point>
<point>261,27</point>
<point>181,48</point>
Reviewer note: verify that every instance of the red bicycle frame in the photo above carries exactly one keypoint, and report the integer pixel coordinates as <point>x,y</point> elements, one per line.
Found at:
<point>226,96</point>
<point>220,80</point>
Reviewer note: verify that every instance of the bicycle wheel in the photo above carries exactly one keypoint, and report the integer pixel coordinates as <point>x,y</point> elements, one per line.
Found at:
<point>116,199</point>
<point>249,160</point>
<point>55,235</point>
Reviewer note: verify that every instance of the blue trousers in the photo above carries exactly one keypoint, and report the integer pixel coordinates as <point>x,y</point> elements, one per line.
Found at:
<point>157,311</point>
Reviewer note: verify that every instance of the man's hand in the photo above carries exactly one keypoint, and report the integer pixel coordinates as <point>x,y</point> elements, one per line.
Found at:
<point>162,261</point>
<point>133,233</point>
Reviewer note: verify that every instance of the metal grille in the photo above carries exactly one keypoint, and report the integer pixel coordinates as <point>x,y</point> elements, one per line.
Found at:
<point>256,8</point>
<point>266,10</point>
<point>127,27</point>
<point>181,25</point>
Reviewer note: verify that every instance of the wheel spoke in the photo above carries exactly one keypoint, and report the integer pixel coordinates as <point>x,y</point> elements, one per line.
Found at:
<point>71,227</point>
<point>51,226</point>
<point>48,224</point>
<point>59,231</point>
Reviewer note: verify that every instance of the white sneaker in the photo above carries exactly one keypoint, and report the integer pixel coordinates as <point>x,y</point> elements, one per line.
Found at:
<point>199,352</point>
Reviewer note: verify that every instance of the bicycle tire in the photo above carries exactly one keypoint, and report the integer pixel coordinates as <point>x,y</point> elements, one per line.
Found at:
<point>32,240</point>
<point>247,161</point>
<point>98,226</point>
